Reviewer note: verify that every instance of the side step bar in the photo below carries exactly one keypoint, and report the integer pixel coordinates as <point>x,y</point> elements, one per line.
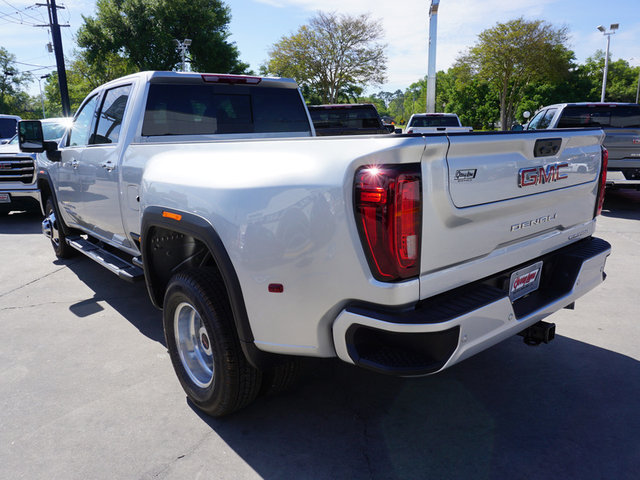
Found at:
<point>111,262</point>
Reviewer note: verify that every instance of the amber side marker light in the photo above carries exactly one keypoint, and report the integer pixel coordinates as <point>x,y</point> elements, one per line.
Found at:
<point>171,215</point>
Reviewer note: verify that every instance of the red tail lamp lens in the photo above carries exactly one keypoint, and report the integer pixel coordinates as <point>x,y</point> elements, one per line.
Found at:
<point>603,181</point>
<point>389,215</point>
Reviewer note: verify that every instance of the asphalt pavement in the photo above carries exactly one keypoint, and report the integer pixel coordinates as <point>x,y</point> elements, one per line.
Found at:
<point>87,390</point>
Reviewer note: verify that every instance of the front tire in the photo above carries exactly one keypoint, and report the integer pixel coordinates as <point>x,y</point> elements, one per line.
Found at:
<point>58,237</point>
<point>204,346</point>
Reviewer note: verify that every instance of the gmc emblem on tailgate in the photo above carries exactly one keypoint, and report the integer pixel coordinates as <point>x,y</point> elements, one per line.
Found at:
<point>528,177</point>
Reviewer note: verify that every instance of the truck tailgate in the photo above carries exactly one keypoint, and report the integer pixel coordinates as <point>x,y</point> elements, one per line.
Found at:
<point>623,143</point>
<point>504,199</point>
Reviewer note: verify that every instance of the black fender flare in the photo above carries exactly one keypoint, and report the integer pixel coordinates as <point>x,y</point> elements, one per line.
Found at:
<point>200,229</point>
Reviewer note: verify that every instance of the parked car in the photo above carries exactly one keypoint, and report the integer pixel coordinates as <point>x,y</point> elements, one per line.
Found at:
<point>621,125</point>
<point>18,189</point>
<point>401,254</point>
<point>8,127</point>
<point>347,119</point>
<point>435,123</point>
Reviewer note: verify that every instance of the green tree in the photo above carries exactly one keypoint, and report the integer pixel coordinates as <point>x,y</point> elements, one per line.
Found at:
<point>333,56</point>
<point>622,79</point>
<point>143,33</point>
<point>516,54</point>
<point>470,97</point>
<point>13,98</point>
<point>82,77</point>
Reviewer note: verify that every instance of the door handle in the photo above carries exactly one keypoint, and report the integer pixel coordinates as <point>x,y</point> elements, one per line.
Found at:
<point>108,166</point>
<point>74,163</point>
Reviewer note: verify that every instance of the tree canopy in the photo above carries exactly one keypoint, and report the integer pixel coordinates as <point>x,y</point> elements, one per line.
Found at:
<point>511,56</point>
<point>12,95</point>
<point>143,33</point>
<point>332,57</point>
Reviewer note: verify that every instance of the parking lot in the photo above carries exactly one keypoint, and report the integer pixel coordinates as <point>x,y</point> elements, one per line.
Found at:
<point>87,390</point>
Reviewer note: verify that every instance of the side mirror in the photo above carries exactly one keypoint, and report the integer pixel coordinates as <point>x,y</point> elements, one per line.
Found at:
<point>30,137</point>
<point>390,128</point>
<point>517,127</point>
<point>397,130</point>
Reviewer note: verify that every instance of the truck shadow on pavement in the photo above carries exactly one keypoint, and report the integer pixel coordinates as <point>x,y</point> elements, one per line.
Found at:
<point>21,223</point>
<point>622,204</point>
<point>129,299</point>
<point>563,410</point>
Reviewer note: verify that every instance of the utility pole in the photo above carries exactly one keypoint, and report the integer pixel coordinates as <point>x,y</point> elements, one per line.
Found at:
<point>431,68</point>
<point>183,46</point>
<point>57,46</point>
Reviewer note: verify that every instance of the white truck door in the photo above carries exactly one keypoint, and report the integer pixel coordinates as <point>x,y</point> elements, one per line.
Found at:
<point>100,206</point>
<point>66,174</point>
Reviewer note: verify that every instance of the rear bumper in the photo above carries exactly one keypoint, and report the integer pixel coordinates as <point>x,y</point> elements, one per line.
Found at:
<point>443,330</point>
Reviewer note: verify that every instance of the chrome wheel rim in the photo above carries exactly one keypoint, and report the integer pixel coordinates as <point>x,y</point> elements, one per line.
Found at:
<point>194,345</point>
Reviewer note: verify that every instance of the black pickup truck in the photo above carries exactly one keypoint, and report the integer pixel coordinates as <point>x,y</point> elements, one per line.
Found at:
<point>347,119</point>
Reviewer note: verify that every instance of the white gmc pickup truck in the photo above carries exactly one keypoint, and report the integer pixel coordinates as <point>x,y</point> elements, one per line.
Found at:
<point>402,254</point>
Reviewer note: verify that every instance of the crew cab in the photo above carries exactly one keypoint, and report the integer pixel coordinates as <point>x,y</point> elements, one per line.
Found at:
<point>621,125</point>
<point>261,243</point>
<point>435,123</point>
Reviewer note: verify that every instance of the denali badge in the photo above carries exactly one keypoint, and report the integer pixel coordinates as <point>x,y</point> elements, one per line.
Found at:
<point>533,222</point>
<point>466,175</point>
<point>528,177</point>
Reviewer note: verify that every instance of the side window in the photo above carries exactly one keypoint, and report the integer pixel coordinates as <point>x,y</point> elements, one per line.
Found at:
<point>81,129</point>
<point>537,118</point>
<point>546,121</point>
<point>111,115</point>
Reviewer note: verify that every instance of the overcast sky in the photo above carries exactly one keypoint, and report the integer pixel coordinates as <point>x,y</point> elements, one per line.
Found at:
<point>257,24</point>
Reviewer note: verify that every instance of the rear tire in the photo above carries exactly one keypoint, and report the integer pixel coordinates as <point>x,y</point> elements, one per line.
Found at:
<point>204,346</point>
<point>59,239</point>
<point>281,378</point>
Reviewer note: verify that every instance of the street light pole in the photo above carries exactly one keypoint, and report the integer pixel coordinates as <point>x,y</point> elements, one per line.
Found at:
<point>44,115</point>
<point>431,67</point>
<point>613,28</point>
<point>183,46</point>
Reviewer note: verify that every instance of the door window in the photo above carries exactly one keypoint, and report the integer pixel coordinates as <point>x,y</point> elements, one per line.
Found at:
<point>82,125</point>
<point>535,121</point>
<point>111,115</point>
<point>546,121</point>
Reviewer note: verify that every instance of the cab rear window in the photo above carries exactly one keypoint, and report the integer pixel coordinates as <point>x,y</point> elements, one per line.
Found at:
<point>444,121</point>
<point>222,109</point>
<point>617,116</point>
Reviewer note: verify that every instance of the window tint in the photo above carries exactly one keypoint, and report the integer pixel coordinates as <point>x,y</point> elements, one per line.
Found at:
<point>343,117</point>
<point>111,115</point>
<point>444,121</point>
<point>81,129</point>
<point>546,120</point>
<point>535,121</point>
<point>8,127</point>
<point>218,109</point>
<point>620,116</point>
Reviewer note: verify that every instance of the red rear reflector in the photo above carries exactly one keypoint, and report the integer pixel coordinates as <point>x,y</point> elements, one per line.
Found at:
<point>232,79</point>
<point>603,182</point>
<point>388,209</point>
<point>276,288</point>
<point>173,216</point>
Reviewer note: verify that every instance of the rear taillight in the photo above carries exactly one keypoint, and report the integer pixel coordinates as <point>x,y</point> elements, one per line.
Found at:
<point>388,205</point>
<point>603,182</point>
